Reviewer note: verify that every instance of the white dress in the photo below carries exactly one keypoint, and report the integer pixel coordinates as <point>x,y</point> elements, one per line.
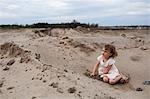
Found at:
<point>113,72</point>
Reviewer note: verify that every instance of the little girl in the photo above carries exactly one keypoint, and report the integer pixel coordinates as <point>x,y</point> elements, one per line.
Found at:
<point>105,65</point>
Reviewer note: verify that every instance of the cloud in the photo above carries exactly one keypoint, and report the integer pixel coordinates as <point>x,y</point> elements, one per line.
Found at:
<point>66,10</point>
<point>27,8</point>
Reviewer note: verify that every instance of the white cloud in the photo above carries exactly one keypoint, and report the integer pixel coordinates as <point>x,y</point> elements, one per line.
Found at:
<point>12,7</point>
<point>32,8</point>
<point>122,9</point>
<point>72,9</point>
<point>7,15</point>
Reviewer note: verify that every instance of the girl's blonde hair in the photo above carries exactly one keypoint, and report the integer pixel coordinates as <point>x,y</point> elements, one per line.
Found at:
<point>111,49</point>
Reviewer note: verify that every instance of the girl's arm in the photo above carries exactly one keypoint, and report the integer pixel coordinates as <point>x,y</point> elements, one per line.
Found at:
<point>106,69</point>
<point>95,68</point>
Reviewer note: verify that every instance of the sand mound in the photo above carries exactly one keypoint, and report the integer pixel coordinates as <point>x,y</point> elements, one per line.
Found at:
<point>53,64</point>
<point>83,47</point>
<point>42,33</point>
<point>86,30</point>
<point>49,32</point>
<point>10,49</point>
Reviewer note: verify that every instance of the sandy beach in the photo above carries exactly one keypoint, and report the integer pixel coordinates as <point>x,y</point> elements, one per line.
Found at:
<point>50,63</point>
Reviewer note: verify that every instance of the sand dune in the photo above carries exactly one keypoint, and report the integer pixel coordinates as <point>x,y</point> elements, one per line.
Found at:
<point>50,63</point>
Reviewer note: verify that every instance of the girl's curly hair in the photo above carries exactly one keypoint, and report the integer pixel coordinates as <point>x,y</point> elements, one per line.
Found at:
<point>111,49</point>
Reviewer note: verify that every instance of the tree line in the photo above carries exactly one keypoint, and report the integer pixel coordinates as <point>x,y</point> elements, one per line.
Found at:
<point>73,24</point>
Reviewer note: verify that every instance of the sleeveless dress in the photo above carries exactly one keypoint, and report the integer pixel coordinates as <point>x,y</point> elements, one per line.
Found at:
<point>113,72</point>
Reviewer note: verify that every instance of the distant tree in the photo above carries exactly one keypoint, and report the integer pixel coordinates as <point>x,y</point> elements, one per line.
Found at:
<point>75,22</point>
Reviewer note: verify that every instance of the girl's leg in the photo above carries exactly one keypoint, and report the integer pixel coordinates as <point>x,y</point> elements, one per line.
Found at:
<point>105,79</point>
<point>114,81</point>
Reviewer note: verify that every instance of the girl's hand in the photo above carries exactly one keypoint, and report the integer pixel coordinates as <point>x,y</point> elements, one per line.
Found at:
<point>106,69</point>
<point>92,74</point>
<point>95,69</point>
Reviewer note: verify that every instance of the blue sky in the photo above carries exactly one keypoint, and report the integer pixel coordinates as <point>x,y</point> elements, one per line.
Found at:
<point>103,12</point>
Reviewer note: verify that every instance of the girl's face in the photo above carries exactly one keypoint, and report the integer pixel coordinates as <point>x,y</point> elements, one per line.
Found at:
<point>106,53</point>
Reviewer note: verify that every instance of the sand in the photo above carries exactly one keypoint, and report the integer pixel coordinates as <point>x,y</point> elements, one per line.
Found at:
<point>50,63</point>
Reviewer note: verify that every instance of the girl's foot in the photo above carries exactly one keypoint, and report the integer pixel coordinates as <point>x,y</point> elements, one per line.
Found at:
<point>124,79</point>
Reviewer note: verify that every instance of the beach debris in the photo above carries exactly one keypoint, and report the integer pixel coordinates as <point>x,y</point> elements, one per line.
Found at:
<point>123,35</point>
<point>87,73</point>
<point>132,37</point>
<point>139,40</point>
<point>61,42</point>
<point>25,59</point>
<point>6,68</point>
<point>146,82</point>
<point>139,89</point>
<point>72,90</point>
<point>65,70</point>
<point>44,81</point>
<point>37,56</point>
<point>11,62</point>
<point>32,78</point>
<point>65,38</point>
<point>79,95</point>
<point>46,67</point>
<point>143,48</point>
<point>60,90</point>
<point>54,85</point>
<point>33,97</point>
<point>9,88</point>
<point>1,83</point>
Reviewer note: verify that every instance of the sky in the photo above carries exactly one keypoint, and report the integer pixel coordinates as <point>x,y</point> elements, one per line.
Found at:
<point>102,12</point>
